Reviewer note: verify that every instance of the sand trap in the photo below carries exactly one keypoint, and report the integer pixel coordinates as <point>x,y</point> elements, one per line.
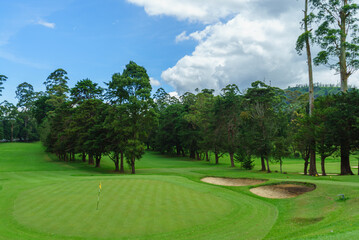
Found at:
<point>232,181</point>
<point>285,190</point>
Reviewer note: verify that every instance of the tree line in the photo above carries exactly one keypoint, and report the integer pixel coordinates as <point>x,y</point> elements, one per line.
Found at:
<point>123,119</point>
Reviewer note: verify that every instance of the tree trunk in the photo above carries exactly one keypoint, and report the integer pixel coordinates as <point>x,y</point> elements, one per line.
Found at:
<point>309,62</point>
<point>281,165</point>
<point>322,162</point>
<point>122,170</point>
<point>198,156</point>
<point>83,157</point>
<point>117,168</point>
<point>216,157</point>
<point>342,58</point>
<point>231,155</point>
<point>12,132</point>
<point>306,163</point>
<point>117,165</point>
<point>26,133</point>
<point>133,171</point>
<point>98,159</point>
<point>344,155</point>
<point>192,154</point>
<point>267,160</point>
<point>207,157</point>
<point>183,152</point>
<point>312,163</point>
<point>91,162</point>
<point>263,163</point>
<point>178,151</point>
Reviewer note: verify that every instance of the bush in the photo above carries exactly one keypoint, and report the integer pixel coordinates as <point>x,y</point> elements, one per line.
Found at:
<point>245,160</point>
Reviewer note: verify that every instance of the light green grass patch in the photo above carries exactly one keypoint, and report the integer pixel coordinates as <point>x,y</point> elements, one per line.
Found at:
<point>128,207</point>
<point>153,207</point>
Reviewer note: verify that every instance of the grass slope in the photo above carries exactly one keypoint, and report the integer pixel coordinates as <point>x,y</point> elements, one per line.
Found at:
<point>42,198</point>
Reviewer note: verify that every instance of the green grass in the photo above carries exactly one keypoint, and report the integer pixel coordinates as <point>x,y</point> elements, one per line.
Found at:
<point>42,198</point>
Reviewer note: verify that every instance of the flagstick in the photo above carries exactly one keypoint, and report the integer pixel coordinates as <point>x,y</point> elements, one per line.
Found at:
<point>98,196</point>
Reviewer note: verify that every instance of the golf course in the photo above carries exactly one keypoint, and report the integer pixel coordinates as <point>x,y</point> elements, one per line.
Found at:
<point>43,198</point>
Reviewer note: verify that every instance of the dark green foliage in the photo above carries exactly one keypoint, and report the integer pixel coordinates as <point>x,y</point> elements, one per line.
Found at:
<point>228,108</point>
<point>319,89</point>
<point>338,115</point>
<point>9,114</point>
<point>84,90</point>
<point>26,121</point>
<point>168,134</point>
<point>244,159</point>
<point>132,91</point>
<point>56,83</point>
<point>3,79</point>
<point>266,107</point>
<point>41,107</point>
<point>25,94</point>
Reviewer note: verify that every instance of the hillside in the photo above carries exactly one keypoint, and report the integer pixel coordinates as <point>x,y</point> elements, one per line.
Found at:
<point>319,89</point>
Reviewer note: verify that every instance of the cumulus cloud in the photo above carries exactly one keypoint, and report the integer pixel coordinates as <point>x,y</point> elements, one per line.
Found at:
<point>206,11</point>
<point>239,51</point>
<point>211,11</point>
<point>46,24</point>
<point>242,41</point>
<point>154,82</point>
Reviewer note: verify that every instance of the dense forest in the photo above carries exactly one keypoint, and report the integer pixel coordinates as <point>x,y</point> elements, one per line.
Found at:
<point>87,122</point>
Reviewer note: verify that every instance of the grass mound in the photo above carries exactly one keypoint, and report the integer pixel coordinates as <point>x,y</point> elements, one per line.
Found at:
<point>283,190</point>
<point>232,181</point>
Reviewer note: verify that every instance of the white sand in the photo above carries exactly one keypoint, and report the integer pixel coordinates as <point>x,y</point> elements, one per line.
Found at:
<point>281,190</point>
<point>232,181</point>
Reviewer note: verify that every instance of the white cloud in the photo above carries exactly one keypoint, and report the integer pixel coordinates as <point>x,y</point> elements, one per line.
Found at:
<point>211,11</point>
<point>174,94</point>
<point>182,37</point>
<point>207,11</point>
<point>256,43</point>
<point>155,82</point>
<point>46,24</point>
<point>239,51</point>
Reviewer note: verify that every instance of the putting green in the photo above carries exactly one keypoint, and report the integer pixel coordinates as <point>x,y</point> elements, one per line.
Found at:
<point>155,207</point>
<point>127,207</point>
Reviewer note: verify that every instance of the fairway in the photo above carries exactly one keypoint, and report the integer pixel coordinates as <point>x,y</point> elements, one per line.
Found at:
<point>41,198</point>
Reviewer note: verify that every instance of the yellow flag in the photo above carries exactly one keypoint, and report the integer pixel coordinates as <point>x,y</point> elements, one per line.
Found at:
<point>99,186</point>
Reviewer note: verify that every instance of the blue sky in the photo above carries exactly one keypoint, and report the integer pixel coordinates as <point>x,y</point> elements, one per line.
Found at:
<point>183,44</point>
<point>89,39</point>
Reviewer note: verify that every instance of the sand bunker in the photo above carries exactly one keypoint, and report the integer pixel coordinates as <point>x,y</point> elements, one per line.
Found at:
<point>284,190</point>
<point>232,181</point>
